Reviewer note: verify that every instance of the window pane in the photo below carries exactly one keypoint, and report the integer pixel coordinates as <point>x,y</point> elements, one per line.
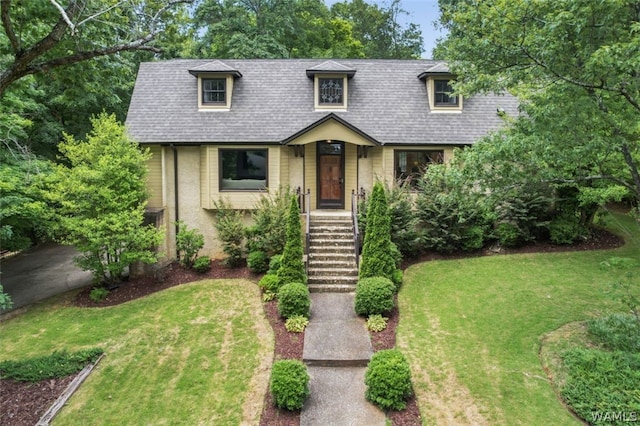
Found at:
<point>330,91</point>
<point>411,165</point>
<point>243,169</point>
<point>443,92</point>
<point>214,91</point>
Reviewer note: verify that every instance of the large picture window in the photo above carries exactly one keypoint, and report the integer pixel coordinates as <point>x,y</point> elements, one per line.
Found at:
<point>243,169</point>
<point>411,165</point>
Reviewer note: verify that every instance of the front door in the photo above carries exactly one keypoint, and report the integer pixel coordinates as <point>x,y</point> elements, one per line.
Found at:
<point>331,175</point>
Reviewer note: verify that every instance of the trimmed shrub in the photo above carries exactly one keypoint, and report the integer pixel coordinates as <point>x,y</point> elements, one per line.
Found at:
<point>202,264</point>
<point>565,229</point>
<point>296,324</point>
<point>388,380</point>
<point>188,243</point>
<point>57,365</point>
<point>618,332</point>
<point>98,294</point>
<point>289,384</point>
<point>274,264</point>
<point>374,296</point>
<point>258,262</point>
<point>270,283</point>
<point>292,267</point>
<point>294,299</point>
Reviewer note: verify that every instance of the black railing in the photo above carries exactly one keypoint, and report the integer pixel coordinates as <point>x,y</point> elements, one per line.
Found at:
<point>304,201</point>
<point>356,232</point>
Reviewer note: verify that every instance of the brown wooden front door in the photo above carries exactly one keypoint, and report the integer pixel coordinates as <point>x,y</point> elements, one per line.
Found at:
<point>330,175</point>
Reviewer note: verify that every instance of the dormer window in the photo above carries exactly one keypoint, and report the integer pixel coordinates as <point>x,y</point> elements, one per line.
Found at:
<point>438,81</point>
<point>215,85</point>
<point>330,85</point>
<point>443,94</point>
<point>214,91</point>
<point>331,91</point>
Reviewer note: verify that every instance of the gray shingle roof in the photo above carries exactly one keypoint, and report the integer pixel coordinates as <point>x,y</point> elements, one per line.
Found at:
<point>274,100</point>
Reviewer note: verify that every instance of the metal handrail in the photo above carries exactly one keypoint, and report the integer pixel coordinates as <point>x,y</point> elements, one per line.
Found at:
<point>307,210</point>
<point>356,232</point>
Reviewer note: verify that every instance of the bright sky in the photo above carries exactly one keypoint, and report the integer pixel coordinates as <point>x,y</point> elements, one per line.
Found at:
<point>421,12</point>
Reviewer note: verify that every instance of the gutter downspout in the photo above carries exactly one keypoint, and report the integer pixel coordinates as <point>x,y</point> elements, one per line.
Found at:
<point>175,194</point>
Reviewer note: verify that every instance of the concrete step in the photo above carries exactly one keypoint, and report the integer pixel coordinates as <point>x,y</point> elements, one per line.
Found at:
<point>330,257</point>
<point>332,288</point>
<point>318,265</point>
<point>343,280</point>
<point>330,242</point>
<point>332,272</point>
<point>331,233</point>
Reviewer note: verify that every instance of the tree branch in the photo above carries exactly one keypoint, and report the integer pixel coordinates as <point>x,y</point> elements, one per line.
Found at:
<point>8,27</point>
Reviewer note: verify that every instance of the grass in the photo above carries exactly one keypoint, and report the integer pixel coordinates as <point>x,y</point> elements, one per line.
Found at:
<point>193,354</point>
<point>472,330</point>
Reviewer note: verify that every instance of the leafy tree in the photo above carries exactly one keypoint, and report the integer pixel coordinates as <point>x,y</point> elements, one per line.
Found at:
<point>101,197</point>
<point>292,267</point>
<point>377,250</point>
<point>42,36</point>
<point>574,65</point>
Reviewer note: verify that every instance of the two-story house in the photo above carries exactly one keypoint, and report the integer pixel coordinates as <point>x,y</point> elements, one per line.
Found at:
<point>236,128</point>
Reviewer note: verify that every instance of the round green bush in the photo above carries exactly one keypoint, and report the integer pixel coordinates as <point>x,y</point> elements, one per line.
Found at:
<point>388,380</point>
<point>270,283</point>
<point>289,384</point>
<point>202,264</point>
<point>274,263</point>
<point>294,299</point>
<point>258,262</point>
<point>374,296</point>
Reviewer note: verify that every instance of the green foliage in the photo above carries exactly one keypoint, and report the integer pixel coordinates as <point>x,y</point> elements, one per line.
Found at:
<point>188,243</point>
<point>376,323</point>
<point>268,234</point>
<point>5,300</point>
<point>54,366</point>
<point>374,295</point>
<point>289,384</point>
<point>509,235</point>
<point>100,199</point>
<point>617,332</point>
<point>388,380</point>
<point>202,264</point>
<point>258,262</point>
<point>565,229</point>
<point>377,253</point>
<point>230,231</point>
<point>270,283</point>
<point>98,294</point>
<point>397,278</point>
<point>294,299</point>
<point>625,289</point>
<point>292,267</point>
<point>274,263</point>
<point>601,381</point>
<point>296,323</point>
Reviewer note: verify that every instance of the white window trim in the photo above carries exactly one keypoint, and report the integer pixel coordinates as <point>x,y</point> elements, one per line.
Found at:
<point>316,93</point>
<point>229,90</point>
<point>431,90</point>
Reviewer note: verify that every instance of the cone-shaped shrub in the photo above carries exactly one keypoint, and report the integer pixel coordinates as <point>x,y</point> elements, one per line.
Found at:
<point>292,267</point>
<point>388,380</point>
<point>377,257</point>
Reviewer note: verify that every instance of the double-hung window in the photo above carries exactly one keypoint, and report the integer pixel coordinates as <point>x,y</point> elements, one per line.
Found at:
<point>214,91</point>
<point>443,94</point>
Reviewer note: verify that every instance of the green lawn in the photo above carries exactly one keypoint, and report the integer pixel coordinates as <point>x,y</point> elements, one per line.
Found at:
<point>194,354</point>
<point>472,329</point>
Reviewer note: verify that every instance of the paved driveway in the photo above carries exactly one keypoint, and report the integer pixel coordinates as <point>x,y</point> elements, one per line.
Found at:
<point>41,272</point>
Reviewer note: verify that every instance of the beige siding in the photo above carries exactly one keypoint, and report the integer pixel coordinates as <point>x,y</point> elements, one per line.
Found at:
<point>283,174</point>
<point>350,173</point>
<point>154,178</point>
<point>206,201</point>
<point>310,179</point>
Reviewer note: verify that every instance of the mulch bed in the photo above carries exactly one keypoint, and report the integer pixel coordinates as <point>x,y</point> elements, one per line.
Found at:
<point>24,403</point>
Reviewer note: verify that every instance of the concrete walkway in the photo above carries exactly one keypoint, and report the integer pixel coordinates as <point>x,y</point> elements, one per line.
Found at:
<point>337,349</point>
<point>41,272</point>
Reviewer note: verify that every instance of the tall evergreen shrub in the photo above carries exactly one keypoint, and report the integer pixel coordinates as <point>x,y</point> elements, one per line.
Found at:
<point>292,267</point>
<point>377,257</point>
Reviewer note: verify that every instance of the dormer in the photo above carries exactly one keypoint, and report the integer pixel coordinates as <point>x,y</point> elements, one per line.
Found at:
<point>330,85</point>
<point>438,80</point>
<point>215,85</point>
